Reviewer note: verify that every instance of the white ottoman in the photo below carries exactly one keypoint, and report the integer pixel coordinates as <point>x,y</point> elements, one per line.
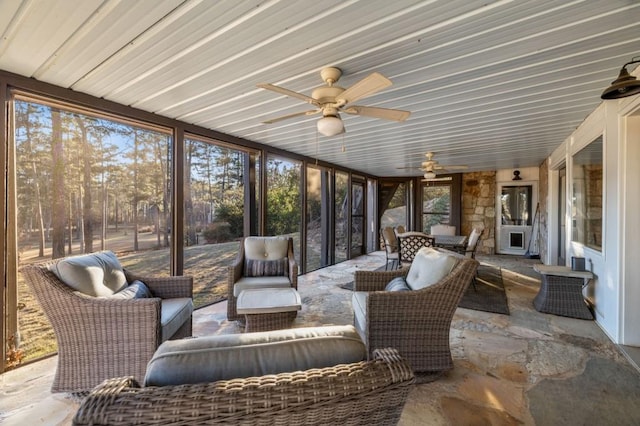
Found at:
<point>268,308</point>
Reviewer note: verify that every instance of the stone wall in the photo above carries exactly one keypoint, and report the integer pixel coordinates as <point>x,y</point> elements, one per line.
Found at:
<point>478,208</point>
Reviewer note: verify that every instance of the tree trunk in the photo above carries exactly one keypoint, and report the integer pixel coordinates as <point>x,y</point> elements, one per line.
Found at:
<point>135,190</point>
<point>35,176</point>
<point>70,225</point>
<point>57,196</point>
<point>87,215</point>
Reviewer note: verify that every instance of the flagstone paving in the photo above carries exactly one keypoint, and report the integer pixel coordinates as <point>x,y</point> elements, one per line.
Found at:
<point>526,368</point>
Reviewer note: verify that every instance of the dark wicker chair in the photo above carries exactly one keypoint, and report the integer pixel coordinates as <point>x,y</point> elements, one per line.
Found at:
<point>363,393</point>
<point>416,322</point>
<point>100,338</point>
<point>236,272</point>
<point>410,242</point>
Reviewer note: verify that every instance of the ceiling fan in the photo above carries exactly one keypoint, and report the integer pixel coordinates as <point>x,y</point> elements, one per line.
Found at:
<point>431,167</point>
<point>330,100</point>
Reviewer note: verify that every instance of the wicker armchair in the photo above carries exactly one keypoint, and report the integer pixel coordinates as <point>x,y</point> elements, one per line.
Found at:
<point>416,322</point>
<point>99,338</point>
<point>237,271</point>
<point>364,393</point>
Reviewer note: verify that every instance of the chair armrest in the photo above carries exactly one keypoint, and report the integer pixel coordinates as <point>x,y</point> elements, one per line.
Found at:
<point>166,287</point>
<point>375,280</point>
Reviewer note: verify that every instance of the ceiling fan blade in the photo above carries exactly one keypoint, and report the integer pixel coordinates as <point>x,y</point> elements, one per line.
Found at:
<point>375,112</point>
<point>363,88</point>
<point>288,92</point>
<point>295,114</point>
<point>408,168</point>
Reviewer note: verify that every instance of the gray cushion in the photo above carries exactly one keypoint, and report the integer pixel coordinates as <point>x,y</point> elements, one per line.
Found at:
<point>397,284</point>
<point>135,290</point>
<point>212,358</point>
<point>173,314</point>
<point>96,274</point>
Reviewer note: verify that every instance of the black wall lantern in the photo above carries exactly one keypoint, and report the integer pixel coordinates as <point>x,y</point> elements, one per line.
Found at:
<point>623,86</point>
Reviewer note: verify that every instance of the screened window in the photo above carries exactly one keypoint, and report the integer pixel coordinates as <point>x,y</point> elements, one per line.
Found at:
<point>214,191</point>
<point>586,215</point>
<point>284,200</point>
<point>86,183</point>
<point>393,201</point>
<point>436,206</point>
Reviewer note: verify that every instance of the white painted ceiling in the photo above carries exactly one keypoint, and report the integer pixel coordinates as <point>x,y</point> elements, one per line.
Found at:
<point>490,84</point>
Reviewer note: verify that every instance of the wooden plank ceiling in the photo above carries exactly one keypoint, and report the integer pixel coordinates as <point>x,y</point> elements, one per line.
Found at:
<point>490,84</point>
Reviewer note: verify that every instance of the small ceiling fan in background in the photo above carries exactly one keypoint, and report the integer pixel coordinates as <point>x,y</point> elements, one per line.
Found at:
<point>431,167</point>
<point>330,100</point>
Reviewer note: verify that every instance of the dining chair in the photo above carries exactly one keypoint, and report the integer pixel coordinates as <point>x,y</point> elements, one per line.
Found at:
<point>390,247</point>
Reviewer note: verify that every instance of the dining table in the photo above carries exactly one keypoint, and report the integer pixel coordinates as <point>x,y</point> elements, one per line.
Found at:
<point>453,242</point>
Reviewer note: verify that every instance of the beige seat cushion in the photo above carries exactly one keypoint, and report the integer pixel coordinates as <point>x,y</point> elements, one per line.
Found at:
<point>246,283</point>
<point>428,267</point>
<point>221,357</point>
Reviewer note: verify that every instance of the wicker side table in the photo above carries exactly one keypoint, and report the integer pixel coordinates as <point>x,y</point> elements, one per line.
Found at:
<point>269,308</point>
<point>561,292</point>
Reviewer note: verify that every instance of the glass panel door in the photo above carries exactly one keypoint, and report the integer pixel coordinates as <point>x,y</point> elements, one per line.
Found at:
<point>514,228</point>
<point>341,216</point>
<point>357,218</point>
<point>317,220</point>
<point>214,188</point>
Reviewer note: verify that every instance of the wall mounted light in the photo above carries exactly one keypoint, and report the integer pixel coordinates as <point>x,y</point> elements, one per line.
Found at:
<point>625,85</point>
<point>516,175</point>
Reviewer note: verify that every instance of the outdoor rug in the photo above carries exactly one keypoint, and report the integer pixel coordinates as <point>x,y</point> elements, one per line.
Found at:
<point>488,294</point>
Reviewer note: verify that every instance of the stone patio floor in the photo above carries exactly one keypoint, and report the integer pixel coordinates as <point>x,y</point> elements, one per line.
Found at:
<point>526,368</point>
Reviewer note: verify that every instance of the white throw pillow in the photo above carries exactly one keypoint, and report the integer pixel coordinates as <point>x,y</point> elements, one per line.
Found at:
<point>428,267</point>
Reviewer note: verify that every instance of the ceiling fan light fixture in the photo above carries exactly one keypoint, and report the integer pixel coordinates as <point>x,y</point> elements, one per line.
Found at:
<point>330,125</point>
<point>623,86</point>
<point>429,175</point>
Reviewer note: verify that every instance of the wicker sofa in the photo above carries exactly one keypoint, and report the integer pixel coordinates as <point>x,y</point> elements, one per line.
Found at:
<point>102,336</point>
<point>416,322</point>
<point>311,376</point>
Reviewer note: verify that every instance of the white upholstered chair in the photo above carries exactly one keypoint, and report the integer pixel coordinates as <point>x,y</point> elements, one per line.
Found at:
<point>441,229</point>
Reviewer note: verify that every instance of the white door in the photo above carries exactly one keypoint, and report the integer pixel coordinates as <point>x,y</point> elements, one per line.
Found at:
<point>516,204</point>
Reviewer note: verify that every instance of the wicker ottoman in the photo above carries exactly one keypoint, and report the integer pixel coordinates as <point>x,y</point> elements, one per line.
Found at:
<point>269,308</point>
<point>561,292</point>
